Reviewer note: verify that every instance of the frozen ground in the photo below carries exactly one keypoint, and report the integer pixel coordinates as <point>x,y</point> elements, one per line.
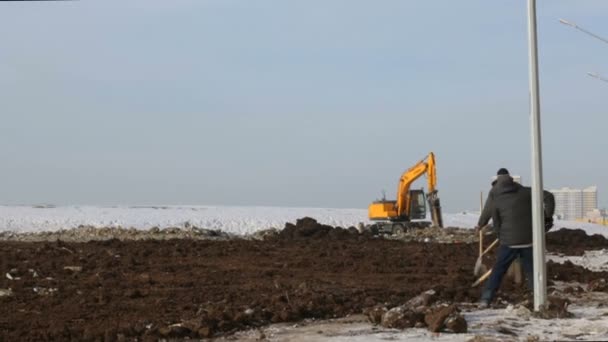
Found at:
<point>511,324</point>
<point>590,323</point>
<point>237,220</point>
<point>596,261</point>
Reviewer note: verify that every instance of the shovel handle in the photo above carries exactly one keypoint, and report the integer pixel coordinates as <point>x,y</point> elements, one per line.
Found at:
<point>482,278</point>
<point>481,231</point>
<point>480,242</point>
<point>490,247</point>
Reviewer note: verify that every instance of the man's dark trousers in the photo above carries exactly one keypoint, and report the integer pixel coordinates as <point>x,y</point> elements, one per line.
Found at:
<point>506,255</point>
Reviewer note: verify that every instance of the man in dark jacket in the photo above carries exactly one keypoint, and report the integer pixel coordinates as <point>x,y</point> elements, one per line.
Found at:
<point>509,205</point>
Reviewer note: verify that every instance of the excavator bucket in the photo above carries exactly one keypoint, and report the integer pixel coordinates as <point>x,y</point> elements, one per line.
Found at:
<point>435,206</point>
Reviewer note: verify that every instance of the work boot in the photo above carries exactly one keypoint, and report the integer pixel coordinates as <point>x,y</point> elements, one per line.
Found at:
<point>483,304</point>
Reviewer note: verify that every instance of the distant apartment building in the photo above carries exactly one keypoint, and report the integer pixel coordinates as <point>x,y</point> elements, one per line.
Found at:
<point>574,204</point>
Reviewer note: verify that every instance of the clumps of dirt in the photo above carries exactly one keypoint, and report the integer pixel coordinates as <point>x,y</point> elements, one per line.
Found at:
<point>479,338</point>
<point>438,235</point>
<point>522,310</point>
<point>309,228</point>
<point>442,318</point>
<point>374,314</point>
<point>568,271</point>
<point>420,312</point>
<point>422,300</point>
<point>405,316</point>
<point>402,317</point>
<point>90,233</point>
<point>564,241</point>
<point>211,320</point>
<point>555,307</point>
<point>598,285</point>
<point>177,330</point>
<point>574,289</point>
<point>574,241</point>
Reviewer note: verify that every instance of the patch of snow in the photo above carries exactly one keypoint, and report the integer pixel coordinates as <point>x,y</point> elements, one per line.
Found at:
<point>236,220</point>
<point>593,260</point>
<point>590,323</point>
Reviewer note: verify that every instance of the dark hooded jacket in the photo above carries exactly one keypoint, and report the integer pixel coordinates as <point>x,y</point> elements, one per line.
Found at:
<point>509,205</point>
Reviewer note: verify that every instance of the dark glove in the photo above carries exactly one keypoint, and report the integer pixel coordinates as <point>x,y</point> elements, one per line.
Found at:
<point>548,223</point>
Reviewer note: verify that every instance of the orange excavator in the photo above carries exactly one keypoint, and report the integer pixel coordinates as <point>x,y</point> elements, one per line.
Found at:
<point>396,216</point>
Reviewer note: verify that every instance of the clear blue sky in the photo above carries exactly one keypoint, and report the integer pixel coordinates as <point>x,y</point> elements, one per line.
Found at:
<point>291,103</point>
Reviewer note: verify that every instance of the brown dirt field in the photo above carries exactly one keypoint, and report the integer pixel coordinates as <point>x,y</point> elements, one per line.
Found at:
<point>191,288</point>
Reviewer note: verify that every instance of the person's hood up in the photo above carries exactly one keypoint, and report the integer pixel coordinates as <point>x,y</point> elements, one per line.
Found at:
<point>504,184</point>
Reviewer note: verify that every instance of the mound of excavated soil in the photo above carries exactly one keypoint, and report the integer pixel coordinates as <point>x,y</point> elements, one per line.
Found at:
<point>153,289</point>
<point>565,241</point>
<point>574,241</point>
<point>309,228</point>
<point>571,272</point>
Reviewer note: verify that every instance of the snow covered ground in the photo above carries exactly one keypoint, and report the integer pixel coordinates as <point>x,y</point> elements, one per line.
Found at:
<point>237,220</point>
<point>596,261</point>
<point>590,323</point>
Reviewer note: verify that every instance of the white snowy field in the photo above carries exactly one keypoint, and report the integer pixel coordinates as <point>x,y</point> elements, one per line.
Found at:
<point>236,220</point>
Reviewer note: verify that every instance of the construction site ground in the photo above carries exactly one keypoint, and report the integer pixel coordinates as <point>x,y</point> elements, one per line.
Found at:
<point>199,288</point>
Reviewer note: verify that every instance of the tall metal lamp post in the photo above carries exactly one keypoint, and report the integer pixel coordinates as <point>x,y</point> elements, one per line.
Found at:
<point>538,217</point>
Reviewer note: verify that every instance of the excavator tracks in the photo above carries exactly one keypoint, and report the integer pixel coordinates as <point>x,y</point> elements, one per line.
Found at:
<point>397,228</point>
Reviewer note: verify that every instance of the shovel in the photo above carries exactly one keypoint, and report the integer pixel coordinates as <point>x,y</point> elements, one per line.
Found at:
<point>482,252</point>
<point>482,278</point>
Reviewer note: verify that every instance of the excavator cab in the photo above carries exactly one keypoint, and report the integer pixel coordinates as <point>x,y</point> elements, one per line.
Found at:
<point>383,209</point>
<point>417,205</point>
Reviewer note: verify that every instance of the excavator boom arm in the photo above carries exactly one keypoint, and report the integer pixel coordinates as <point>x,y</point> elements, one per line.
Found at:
<point>431,173</point>
<point>426,165</point>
